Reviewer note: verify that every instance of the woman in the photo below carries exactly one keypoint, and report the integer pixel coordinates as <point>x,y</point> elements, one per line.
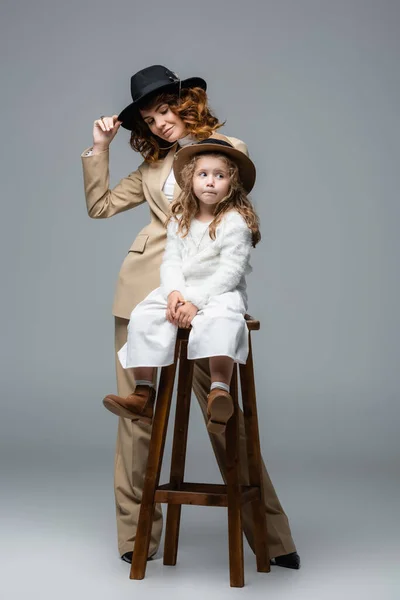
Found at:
<point>166,114</point>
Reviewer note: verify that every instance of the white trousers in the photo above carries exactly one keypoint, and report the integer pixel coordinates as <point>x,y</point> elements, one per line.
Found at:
<point>219,329</point>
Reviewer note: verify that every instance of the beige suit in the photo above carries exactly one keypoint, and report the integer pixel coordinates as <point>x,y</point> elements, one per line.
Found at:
<point>138,276</point>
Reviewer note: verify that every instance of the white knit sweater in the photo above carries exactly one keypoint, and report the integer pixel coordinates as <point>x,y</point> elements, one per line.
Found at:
<point>215,267</point>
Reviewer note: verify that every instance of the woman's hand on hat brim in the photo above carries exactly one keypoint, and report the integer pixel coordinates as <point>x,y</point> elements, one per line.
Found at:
<point>104,131</point>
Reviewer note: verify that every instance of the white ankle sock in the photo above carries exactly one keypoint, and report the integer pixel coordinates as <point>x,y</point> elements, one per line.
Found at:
<point>145,382</point>
<point>220,385</point>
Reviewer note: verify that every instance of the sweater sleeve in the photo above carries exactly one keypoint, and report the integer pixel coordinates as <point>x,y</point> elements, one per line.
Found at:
<point>234,260</point>
<point>171,274</point>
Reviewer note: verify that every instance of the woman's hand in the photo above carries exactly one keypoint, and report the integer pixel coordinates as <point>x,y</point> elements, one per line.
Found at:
<point>185,315</point>
<point>175,299</point>
<point>104,131</point>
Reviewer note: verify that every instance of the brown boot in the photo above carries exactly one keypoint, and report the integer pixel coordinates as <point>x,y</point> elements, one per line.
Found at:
<point>219,410</point>
<point>137,407</point>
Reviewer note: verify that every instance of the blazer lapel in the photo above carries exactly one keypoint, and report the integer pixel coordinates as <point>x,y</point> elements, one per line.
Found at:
<point>159,173</point>
<point>166,168</point>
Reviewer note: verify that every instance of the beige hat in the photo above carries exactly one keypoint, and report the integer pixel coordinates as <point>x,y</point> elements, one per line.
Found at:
<point>247,170</point>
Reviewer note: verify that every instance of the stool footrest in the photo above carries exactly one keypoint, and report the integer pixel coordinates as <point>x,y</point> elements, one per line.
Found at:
<point>202,494</point>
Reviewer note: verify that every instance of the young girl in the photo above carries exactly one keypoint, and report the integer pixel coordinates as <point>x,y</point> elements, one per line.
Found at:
<point>211,231</point>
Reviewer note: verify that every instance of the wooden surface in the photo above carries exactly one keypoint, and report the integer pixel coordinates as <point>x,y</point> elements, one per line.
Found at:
<point>154,461</point>
<point>254,460</point>
<point>177,492</point>
<point>178,458</point>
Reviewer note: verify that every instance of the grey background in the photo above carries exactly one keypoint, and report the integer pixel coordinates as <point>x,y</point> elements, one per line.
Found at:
<point>313,88</point>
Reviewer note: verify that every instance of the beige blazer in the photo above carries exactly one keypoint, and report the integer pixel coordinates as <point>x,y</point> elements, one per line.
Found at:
<point>140,270</point>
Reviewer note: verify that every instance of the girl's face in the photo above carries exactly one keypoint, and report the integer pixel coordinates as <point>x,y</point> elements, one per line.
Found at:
<point>164,123</point>
<point>211,180</point>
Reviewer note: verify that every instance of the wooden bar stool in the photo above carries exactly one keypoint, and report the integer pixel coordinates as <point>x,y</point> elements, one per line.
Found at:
<point>177,492</point>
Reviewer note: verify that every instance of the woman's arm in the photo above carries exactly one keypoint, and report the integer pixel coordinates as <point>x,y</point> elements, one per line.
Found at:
<point>100,200</point>
<point>234,260</point>
<point>171,275</point>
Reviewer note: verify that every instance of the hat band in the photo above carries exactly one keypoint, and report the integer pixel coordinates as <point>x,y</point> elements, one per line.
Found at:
<point>213,141</point>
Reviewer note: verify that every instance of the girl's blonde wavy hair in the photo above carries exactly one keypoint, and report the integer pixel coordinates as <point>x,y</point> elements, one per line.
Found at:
<point>192,107</point>
<point>186,206</point>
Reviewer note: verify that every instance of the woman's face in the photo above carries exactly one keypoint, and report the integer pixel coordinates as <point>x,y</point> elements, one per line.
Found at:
<point>164,123</point>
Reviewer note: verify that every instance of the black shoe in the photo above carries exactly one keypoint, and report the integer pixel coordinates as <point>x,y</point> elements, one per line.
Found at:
<point>290,561</point>
<point>127,557</point>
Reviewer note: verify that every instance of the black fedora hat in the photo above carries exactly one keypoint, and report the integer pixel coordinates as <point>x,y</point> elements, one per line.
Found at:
<point>150,80</point>
<point>247,170</point>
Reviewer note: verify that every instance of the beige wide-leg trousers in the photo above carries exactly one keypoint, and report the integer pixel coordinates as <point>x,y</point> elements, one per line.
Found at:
<point>130,467</point>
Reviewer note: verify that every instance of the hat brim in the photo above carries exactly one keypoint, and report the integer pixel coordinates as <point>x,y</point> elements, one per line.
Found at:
<point>247,170</point>
<point>130,114</point>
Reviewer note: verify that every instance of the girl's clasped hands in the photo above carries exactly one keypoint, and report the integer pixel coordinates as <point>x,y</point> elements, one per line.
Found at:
<point>179,311</point>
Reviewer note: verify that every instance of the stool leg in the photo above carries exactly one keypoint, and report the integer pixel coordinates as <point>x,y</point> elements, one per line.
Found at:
<point>153,469</point>
<point>178,453</point>
<point>248,389</point>
<point>235,532</point>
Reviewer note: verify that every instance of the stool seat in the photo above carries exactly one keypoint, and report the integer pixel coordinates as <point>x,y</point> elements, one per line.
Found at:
<point>252,323</point>
<point>232,495</point>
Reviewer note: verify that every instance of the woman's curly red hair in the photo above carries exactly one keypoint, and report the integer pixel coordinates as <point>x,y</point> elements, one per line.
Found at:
<point>192,107</point>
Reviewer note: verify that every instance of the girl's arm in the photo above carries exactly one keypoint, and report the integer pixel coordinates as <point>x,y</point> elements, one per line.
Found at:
<point>171,275</point>
<point>234,260</point>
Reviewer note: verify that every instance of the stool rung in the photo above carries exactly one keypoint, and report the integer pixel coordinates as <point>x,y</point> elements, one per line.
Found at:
<point>202,494</point>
